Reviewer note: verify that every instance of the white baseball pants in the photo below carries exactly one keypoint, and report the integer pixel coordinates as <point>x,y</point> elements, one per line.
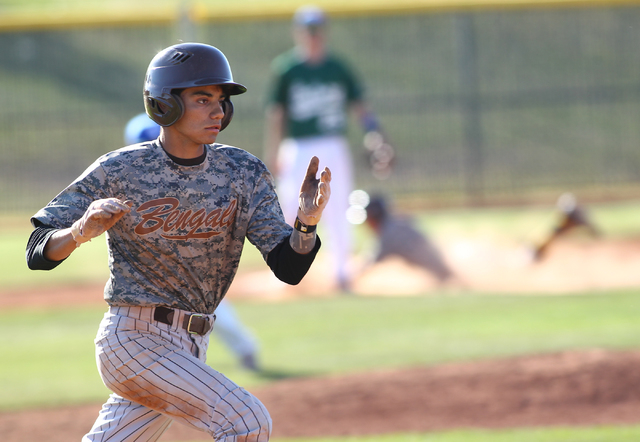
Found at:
<point>230,330</point>
<point>333,152</point>
<point>158,374</point>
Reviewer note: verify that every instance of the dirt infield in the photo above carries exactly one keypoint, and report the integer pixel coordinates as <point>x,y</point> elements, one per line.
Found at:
<point>571,388</point>
<point>594,387</point>
<point>482,265</point>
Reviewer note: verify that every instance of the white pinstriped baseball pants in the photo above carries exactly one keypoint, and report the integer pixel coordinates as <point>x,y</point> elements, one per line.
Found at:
<point>157,373</point>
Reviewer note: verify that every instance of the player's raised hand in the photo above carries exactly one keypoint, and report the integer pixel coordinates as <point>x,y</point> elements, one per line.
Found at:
<point>99,217</point>
<point>314,193</point>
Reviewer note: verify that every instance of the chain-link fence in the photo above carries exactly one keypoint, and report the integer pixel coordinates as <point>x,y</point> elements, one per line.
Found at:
<point>483,106</point>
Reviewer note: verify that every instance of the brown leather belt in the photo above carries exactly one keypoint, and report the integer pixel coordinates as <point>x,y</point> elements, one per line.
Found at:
<point>194,323</point>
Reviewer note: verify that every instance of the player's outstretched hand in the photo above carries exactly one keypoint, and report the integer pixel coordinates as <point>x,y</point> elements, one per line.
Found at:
<point>100,216</point>
<point>314,193</point>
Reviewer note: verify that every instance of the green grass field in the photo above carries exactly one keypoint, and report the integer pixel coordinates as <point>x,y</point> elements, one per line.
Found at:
<point>47,353</point>
<point>48,359</point>
<point>53,351</point>
<point>52,363</point>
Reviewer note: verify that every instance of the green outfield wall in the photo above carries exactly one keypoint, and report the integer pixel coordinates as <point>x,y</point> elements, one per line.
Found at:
<point>487,102</point>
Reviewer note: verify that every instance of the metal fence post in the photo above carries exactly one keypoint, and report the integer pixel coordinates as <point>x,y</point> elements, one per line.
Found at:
<point>470,107</point>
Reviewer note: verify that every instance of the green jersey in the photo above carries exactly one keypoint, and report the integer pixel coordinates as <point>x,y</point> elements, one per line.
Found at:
<point>315,97</point>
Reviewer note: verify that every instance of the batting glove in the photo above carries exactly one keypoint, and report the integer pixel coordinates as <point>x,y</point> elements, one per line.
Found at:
<point>100,216</point>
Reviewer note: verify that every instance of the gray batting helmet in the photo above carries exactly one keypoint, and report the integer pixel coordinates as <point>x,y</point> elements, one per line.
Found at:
<point>182,66</point>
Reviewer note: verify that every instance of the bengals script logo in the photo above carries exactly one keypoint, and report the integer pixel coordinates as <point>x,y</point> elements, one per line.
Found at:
<point>165,214</point>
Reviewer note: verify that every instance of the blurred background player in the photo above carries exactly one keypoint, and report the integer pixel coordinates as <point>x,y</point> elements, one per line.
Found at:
<point>397,236</point>
<point>312,95</point>
<point>228,327</point>
<point>571,217</point>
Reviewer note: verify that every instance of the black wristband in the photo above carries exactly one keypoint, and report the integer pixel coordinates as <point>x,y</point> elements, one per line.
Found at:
<point>302,227</point>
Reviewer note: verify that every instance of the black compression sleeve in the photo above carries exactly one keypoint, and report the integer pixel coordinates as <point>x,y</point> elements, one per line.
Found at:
<point>288,265</point>
<point>35,249</point>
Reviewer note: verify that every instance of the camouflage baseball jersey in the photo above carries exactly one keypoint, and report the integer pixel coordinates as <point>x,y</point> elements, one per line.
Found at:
<point>181,243</point>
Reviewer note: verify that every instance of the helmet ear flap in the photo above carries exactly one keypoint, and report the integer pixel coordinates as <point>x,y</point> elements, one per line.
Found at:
<point>164,110</point>
<point>227,107</point>
<point>167,110</point>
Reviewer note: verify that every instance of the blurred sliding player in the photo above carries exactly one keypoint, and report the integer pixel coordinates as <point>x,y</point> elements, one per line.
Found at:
<point>397,236</point>
<point>571,217</point>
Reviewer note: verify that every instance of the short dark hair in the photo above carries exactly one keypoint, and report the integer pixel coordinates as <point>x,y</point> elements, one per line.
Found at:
<point>377,208</point>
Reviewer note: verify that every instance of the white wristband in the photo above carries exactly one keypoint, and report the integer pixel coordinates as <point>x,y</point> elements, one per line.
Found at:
<point>77,234</point>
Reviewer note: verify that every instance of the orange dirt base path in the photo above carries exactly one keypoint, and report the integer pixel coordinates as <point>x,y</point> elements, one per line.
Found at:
<point>587,388</point>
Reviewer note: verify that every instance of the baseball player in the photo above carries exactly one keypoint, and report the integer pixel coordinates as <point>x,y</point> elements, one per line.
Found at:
<point>176,212</point>
<point>572,216</point>
<point>307,114</point>
<point>398,237</point>
<point>229,329</point>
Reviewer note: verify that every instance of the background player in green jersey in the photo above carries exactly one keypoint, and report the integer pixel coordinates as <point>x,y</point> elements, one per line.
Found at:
<point>312,94</point>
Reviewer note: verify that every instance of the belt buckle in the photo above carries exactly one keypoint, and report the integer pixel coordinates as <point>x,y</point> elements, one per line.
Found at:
<point>196,315</point>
